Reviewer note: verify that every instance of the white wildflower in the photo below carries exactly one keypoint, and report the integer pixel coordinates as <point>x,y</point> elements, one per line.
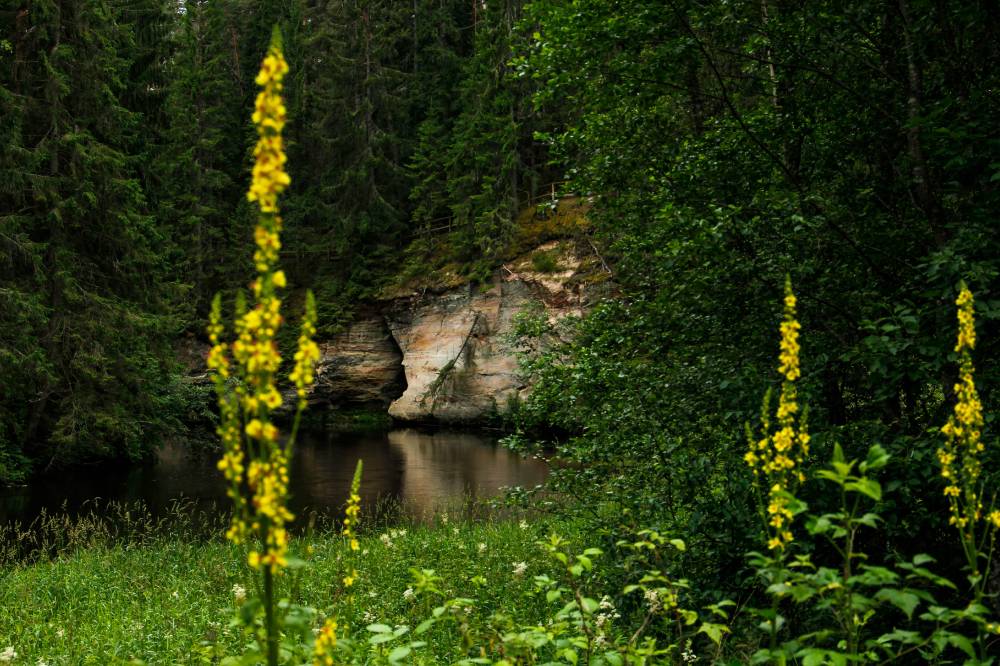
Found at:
<point>60,633</point>
<point>408,593</point>
<point>688,655</point>
<point>387,540</point>
<point>653,601</point>
<point>482,547</point>
<point>8,654</point>
<point>523,524</point>
<point>370,617</point>
<point>520,568</point>
<point>239,593</point>
<point>454,531</point>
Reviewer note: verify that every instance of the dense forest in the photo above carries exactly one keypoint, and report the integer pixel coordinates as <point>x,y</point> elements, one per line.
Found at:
<point>125,144</point>
<point>844,156</point>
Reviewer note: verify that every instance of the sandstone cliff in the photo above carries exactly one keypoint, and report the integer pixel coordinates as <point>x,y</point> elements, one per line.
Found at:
<point>449,356</point>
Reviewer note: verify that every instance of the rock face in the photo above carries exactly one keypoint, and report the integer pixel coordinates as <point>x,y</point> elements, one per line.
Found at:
<point>449,357</point>
<point>360,367</point>
<point>458,355</point>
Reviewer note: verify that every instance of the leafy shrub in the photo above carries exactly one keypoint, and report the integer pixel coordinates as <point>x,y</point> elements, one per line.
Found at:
<point>545,262</point>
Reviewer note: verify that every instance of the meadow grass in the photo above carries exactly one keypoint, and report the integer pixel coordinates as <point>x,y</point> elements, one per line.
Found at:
<point>168,600</point>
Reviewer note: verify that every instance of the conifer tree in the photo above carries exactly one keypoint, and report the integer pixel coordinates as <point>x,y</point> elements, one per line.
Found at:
<point>349,163</point>
<point>476,160</point>
<point>201,168</point>
<point>83,331</point>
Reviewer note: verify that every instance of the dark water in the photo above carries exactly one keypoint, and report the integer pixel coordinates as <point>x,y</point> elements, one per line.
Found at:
<point>421,470</point>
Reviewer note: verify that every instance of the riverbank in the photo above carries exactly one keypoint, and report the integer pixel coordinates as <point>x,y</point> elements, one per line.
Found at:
<point>168,600</point>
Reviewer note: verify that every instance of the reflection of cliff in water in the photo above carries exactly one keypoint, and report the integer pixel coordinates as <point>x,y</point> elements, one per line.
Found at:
<point>422,469</point>
<point>445,465</point>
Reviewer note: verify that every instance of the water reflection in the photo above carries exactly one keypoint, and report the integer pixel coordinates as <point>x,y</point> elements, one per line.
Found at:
<point>425,470</point>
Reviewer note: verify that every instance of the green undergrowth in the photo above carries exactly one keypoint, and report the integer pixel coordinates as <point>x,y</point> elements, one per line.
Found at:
<point>167,600</point>
<point>440,261</point>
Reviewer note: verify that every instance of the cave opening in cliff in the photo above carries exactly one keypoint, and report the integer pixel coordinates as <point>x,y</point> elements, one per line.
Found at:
<point>398,386</point>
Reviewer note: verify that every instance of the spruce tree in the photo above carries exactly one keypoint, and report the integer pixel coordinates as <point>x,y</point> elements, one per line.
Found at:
<point>81,305</point>
<point>351,185</point>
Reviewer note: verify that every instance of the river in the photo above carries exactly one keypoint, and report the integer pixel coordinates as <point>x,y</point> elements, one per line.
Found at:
<point>421,471</point>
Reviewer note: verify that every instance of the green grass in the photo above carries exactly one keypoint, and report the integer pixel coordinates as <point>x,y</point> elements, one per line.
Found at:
<point>170,601</point>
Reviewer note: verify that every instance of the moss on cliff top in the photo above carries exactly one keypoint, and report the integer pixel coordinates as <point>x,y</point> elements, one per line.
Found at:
<point>434,263</point>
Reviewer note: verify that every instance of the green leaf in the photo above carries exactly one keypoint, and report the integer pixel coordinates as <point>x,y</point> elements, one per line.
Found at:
<point>869,520</point>
<point>905,601</point>
<point>400,653</point>
<point>838,453</point>
<point>962,643</point>
<point>297,563</point>
<point>713,631</point>
<point>249,610</point>
<point>877,459</point>
<point>866,486</point>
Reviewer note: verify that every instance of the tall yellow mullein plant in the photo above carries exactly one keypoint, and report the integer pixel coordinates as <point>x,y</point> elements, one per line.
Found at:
<point>255,459</point>
<point>961,466</point>
<point>960,456</point>
<point>776,457</point>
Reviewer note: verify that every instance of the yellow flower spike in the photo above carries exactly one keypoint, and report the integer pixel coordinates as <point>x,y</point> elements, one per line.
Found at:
<point>326,641</point>
<point>351,517</point>
<point>269,176</point>
<point>778,455</point>
<point>960,455</point>
<point>258,475</point>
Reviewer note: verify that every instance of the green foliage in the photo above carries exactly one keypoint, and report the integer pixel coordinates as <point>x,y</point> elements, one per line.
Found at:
<point>726,145</point>
<point>169,594</point>
<point>86,317</point>
<point>545,262</point>
<point>844,605</point>
<point>476,161</point>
